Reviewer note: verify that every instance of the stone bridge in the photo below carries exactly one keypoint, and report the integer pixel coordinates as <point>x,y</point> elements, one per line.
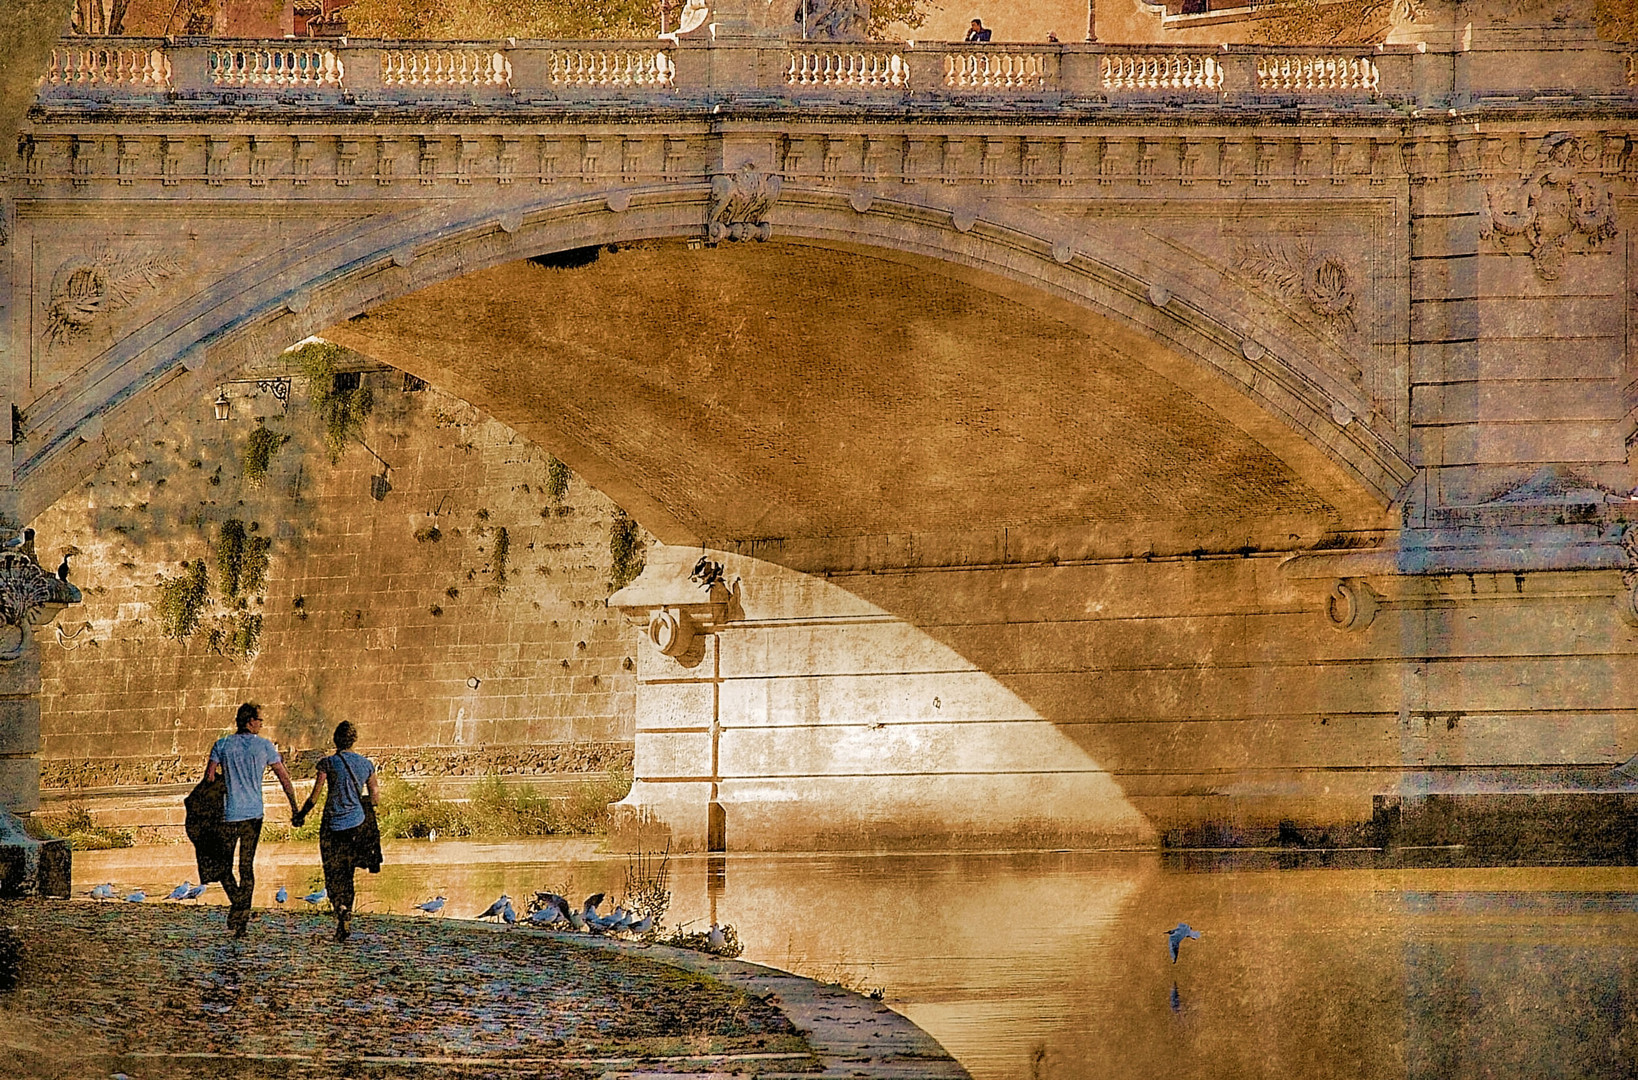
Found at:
<point>1100,442</point>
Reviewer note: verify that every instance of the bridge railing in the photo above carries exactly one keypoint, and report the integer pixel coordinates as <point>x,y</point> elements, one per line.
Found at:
<point>540,70</point>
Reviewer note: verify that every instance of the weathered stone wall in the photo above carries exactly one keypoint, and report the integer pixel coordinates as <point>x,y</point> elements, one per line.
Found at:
<point>1117,701</point>
<point>399,614</point>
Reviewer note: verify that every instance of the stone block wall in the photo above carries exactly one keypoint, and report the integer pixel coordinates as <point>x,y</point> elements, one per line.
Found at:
<point>402,613</point>
<point>1205,699</point>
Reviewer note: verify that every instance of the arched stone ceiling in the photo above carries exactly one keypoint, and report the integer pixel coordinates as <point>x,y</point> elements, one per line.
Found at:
<point>757,391</point>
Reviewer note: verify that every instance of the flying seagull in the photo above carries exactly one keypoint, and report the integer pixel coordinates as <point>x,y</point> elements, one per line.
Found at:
<point>1175,936</point>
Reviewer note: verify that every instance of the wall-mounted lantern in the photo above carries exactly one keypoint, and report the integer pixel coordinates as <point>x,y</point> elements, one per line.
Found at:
<point>224,408</point>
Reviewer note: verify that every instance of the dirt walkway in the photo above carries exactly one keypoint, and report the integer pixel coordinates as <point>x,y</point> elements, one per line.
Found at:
<point>156,992</point>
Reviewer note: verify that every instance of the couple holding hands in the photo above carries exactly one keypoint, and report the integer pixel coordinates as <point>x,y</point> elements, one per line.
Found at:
<point>225,813</point>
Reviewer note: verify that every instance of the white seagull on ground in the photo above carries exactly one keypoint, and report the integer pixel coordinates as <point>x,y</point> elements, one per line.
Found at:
<point>197,891</point>
<point>282,895</point>
<point>137,897</point>
<point>181,891</point>
<point>105,891</point>
<point>494,910</point>
<point>715,939</point>
<point>433,906</point>
<point>316,898</point>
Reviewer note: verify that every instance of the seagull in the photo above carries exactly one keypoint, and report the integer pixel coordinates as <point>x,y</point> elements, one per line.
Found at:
<point>105,891</point>
<point>1175,936</point>
<point>316,898</point>
<point>589,910</point>
<point>197,891</point>
<point>555,904</point>
<point>282,895</point>
<point>181,891</point>
<point>716,940</point>
<point>577,921</point>
<point>510,916</point>
<point>641,926</point>
<point>433,906</point>
<point>546,916</point>
<point>22,538</point>
<point>432,834</point>
<point>494,910</point>
<point>137,897</point>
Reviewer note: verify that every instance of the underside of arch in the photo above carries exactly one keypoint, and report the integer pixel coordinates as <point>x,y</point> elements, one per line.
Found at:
<point>788,392</point>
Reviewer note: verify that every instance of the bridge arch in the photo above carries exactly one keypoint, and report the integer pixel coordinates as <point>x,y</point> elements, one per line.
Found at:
<point>1268,372</point>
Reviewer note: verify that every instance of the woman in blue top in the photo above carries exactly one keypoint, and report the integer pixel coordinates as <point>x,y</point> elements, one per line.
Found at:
<point>342,846</point>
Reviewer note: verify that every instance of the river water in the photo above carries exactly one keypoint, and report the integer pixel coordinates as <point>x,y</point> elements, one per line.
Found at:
<point>1056,965</point>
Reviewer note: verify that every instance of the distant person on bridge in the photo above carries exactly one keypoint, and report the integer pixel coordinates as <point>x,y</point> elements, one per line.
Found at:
<point>977,33</point>
<point>242,758</point>
<point>349,837</point>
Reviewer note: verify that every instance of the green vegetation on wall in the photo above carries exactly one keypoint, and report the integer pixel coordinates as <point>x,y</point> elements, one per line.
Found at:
<point>259,451</point>
<point>626,548</point>
<point>341,409</point>
<point>557,479</point>
<point>183,599</point>
<point>503,549</point>
<point>241,560</point>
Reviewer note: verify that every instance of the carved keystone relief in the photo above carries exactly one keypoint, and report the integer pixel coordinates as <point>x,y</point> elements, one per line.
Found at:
<point>739,203</point>
<point>85,290</point>
<point>1319,278</point>
<point>1553,211</point>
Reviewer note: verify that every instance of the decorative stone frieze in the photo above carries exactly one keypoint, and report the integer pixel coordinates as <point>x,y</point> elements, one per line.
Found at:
<point>1551,213</point>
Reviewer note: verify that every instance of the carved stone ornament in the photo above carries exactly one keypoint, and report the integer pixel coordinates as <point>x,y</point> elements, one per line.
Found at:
<point>1321,279</point>
<point>739,203</point>
<point>832,20</point>
<point>678,609</point>
<point>1552,210</point>
<point>29,597</point>
<point>1626,601</point>
<point>1351,604</point>
<point>84,290</point>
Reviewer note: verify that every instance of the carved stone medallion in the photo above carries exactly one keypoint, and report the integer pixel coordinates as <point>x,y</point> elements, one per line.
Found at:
<point>1553,211</point>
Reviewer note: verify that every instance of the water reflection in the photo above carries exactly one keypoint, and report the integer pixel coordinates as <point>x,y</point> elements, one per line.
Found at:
<point>1056,965</point>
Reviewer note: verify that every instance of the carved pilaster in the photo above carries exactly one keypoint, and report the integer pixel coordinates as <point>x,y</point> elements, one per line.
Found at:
<point>676,158</point>
<point>262,149</point>
<point>386,160</point>
<point>347,153</point>
<point>467,149</point>
<point>301,161</point>
<point>989,164</point>
<point>218,153</point>
<point>950,163</point>
<point>1069,151</point>
<point>1147,149</point>
<point>85,152</point>
<point>427,167</point>
<point>130,159</point>
<point>170,165</point>
<point>591,159</point>
<point>1188,162</point>
<point>550,151</point>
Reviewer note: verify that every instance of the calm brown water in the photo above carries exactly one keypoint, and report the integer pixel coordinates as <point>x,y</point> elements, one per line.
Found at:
<point>1055,965</point>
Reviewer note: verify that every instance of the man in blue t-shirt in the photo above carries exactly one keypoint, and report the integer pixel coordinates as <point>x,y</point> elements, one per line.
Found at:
<point>243,757</point>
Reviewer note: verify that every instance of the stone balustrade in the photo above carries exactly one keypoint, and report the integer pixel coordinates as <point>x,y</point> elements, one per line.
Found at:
<point>108,68</point>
